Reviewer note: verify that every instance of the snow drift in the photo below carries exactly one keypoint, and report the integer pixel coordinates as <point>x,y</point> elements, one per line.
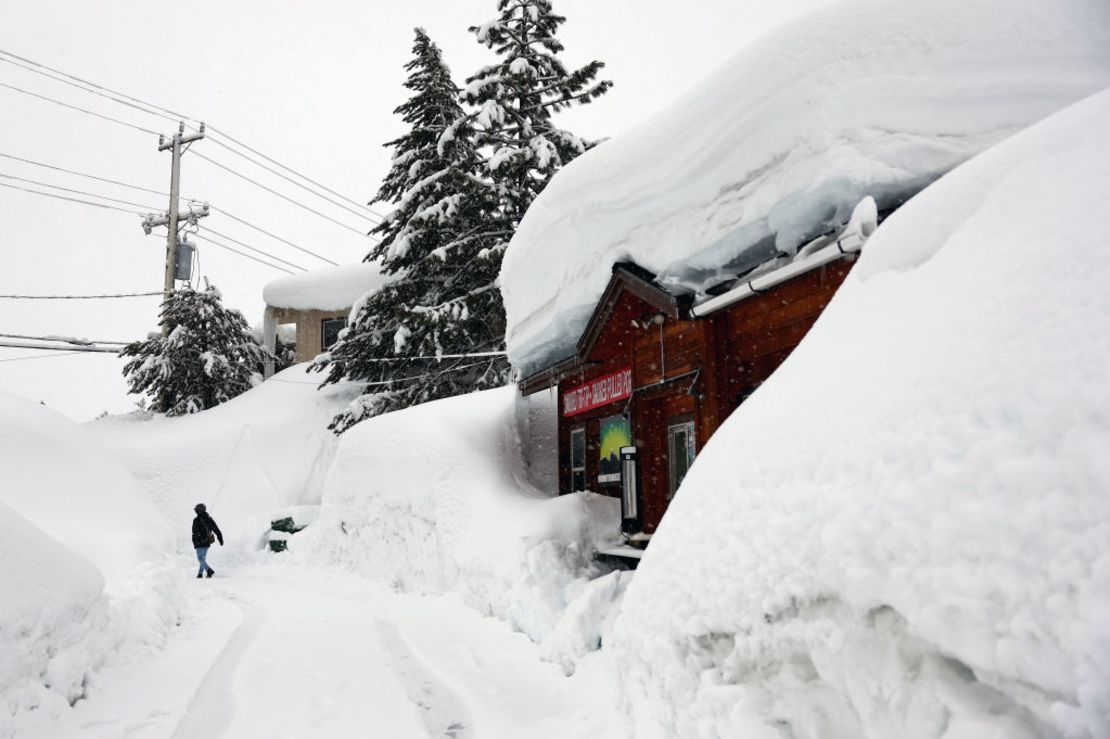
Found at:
<point>862,98</point>
<point>84,570</point>
<point>917,538</point>
<point>265,450</point>
<point>436,499</point>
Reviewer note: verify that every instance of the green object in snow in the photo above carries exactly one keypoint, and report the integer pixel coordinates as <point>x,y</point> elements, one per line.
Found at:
<point>286,525</point>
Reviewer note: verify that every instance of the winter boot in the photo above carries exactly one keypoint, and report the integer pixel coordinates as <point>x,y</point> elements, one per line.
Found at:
<point>200,575</point>
<point>210,573</point>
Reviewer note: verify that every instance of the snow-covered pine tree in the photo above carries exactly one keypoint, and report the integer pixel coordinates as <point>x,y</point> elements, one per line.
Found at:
<point>208,357</point>
<point>442,244</point>
<point>516,97</point>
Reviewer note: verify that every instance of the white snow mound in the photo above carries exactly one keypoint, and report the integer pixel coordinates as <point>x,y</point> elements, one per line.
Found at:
<point>85,573</point>
<point>436,499</point>
<point>329,288</point>
<point>906,530</point>
<point>862,98</point>
<point>57,475</point>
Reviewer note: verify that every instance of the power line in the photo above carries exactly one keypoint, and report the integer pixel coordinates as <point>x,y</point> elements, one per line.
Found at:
<point>44,347</point>
<point>376,383</point>
<point>272,235</point>
<point>41,356</point>
<point>214,232</point>
<point>242,254</point>
<point>432,357</point>
<point>138,212</point>
<point>165,195</point>
<point>79,109</point>
<point>93,84</point>
<point>80,297</point>
<point>287,168</point>
<point>87,176</point>
<point>280,195</point>
<point>143,108</point>
<point>73,200</point>
<point>78,192</point>
<point>63,339</point>
<point>162,112</point>
<point>307,189</point>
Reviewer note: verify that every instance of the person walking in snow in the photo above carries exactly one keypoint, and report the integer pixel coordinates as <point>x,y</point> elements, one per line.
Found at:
<point>205,534</point>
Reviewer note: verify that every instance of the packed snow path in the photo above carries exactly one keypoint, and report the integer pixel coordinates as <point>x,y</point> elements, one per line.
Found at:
<point>275,651</point>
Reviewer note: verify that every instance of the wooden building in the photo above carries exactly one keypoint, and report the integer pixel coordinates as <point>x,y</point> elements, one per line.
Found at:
<point>656,375</point>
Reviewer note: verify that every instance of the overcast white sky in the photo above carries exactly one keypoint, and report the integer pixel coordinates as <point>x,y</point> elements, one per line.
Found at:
<point>310,84</point>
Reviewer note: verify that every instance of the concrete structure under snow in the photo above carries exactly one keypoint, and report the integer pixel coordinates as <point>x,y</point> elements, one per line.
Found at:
<point>317,304</point>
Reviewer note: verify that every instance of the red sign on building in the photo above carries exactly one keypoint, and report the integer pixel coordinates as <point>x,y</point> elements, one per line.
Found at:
<point>599,392</point>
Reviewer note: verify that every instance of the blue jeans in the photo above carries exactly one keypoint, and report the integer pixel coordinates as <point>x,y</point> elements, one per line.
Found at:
<point>202,552</point>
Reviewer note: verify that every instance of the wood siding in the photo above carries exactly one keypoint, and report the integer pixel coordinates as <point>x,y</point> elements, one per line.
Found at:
<point>685,369</point>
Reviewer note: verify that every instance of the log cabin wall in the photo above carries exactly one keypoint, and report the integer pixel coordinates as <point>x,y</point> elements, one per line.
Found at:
<point>613,352</point>
<point>683,370</point>
<point>758,334</point>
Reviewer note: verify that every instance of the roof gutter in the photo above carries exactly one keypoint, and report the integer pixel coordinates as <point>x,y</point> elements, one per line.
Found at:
<point>850,241</point>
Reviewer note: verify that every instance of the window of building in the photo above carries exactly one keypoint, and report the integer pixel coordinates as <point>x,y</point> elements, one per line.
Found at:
<point>680,452</point>
<point>329,332</point>
<point>578,459</point>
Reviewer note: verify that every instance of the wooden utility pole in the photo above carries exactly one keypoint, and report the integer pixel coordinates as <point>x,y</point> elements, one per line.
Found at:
<point>172,217</point>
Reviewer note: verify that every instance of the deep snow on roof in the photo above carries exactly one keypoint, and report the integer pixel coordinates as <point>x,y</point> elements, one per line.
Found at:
<point>862,98</point>
<point>330,288</point>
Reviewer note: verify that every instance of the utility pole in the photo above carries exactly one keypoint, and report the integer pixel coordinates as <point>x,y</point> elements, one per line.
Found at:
<point>172,217</point>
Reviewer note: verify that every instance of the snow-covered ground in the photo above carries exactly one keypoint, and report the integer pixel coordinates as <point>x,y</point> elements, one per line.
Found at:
<point>277,645</point>
<point>273,651</point>
<point>917,538</point>
<point>868,97</point>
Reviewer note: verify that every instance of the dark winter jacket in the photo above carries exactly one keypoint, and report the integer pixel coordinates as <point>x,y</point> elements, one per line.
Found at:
<point>202,524</point>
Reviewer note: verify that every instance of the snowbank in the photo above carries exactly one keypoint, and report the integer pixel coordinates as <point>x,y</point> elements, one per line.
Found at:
<point>57,475</point>
<point>436,499</point>
<point>267,449</point>
<point>906,531</point>
<point>84,570</point>
<point>52,604</point>
<point>862,98</point>
<point>330,288</point>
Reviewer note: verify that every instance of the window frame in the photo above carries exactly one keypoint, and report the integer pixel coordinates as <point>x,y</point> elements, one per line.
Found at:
<point>689,425</point>
<point>324,345</point>
<point>580,431</point>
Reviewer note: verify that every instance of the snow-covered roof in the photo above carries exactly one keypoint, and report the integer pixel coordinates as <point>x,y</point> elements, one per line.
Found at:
<point>922,483</point>
<point>861,98</point>
<point>330,288</point>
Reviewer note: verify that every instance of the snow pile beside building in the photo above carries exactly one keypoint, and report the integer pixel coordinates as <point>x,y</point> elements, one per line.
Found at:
<point>262,451</point>
<point>328,288</point>
<point>436,499</point>
<point>84,569</point>
<point>906,530</point>
<point>863,98</point>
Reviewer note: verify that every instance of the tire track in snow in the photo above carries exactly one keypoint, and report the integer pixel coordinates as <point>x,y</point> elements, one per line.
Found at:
<point>213,704</point>
<point>442,712</point>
